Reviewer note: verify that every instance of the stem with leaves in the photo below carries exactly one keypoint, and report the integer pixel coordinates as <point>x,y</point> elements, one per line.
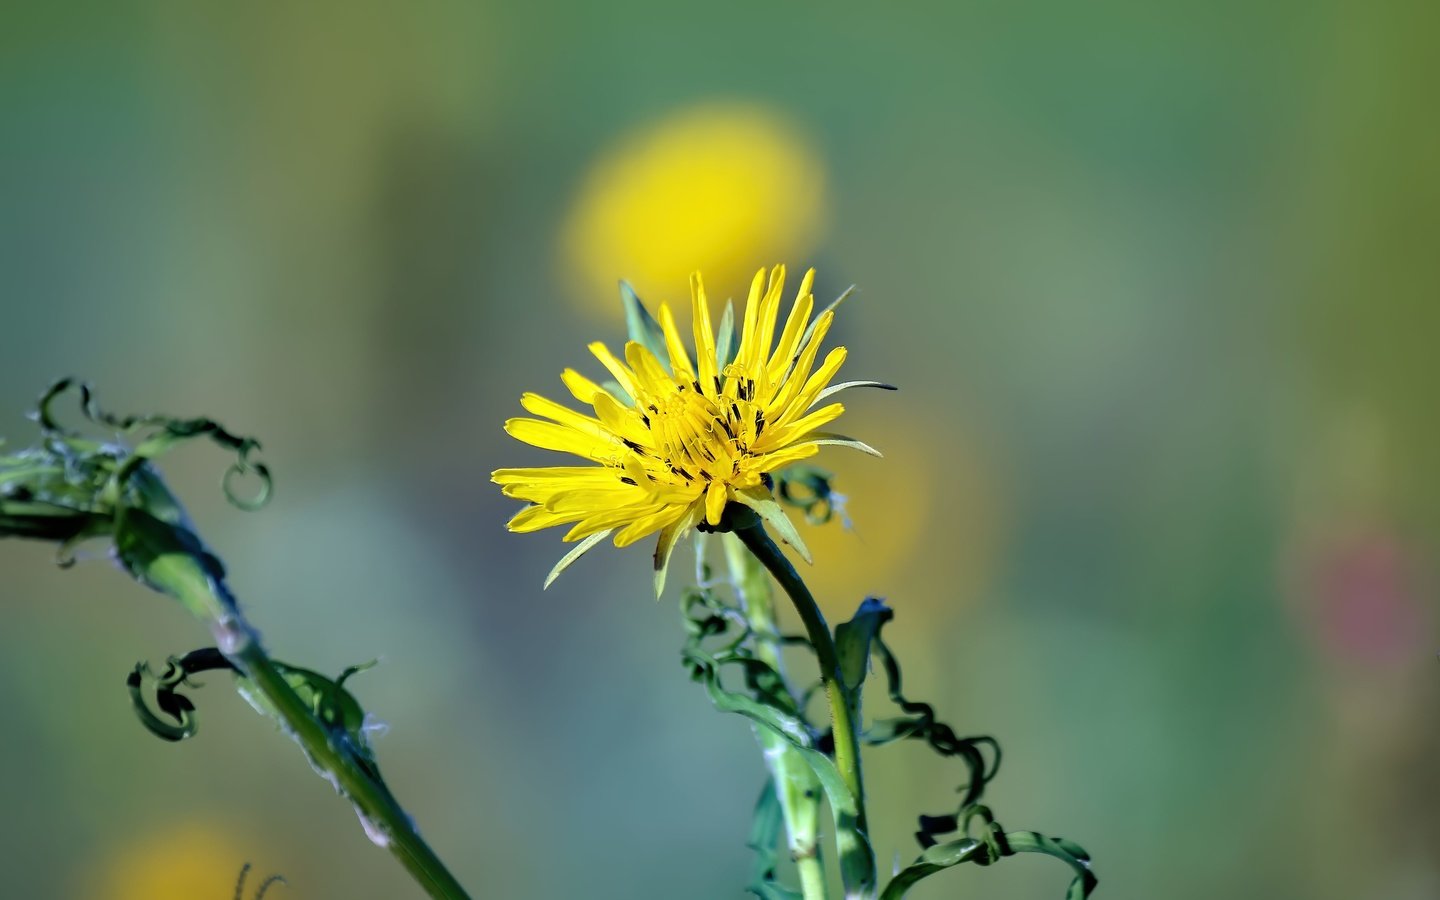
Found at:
<point>67,489</point>
<point>151,550</point>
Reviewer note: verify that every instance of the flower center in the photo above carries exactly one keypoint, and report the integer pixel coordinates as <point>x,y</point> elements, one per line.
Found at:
<point>699,437</point>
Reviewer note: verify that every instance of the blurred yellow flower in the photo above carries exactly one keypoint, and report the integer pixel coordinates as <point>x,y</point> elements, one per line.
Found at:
<point>713,186</point>
<point>191,861</point>
<point>937,496</point>
<point>677,441</point>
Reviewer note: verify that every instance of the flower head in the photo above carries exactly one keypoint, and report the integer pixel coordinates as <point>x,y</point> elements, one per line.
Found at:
<point>676,440</point>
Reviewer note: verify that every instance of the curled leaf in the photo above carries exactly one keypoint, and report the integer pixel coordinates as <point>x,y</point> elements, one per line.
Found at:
<point>920,723</point>
<point>161,433</point>
<point>175,719</point>
<point>809,489</point>
<point>768,704</point>
<point>853,640</point>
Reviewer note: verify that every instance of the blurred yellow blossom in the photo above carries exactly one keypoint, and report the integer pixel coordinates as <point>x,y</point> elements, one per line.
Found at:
<point>714,186</point>
<point>934,497</point>
<point>186,861</point>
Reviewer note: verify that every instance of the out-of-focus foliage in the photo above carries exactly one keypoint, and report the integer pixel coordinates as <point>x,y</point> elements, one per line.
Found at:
<point>1156,285</point>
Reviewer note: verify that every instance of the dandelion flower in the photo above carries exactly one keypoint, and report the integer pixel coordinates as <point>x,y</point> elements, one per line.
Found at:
<point>672,441</point>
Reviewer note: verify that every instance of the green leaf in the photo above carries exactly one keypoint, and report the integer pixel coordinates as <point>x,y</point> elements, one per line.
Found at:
<point>935,859</point>
<point>769,706</point>
<point>834,389</point>
<point>810,330</point>
<point>335,707</point>
<point>766,828</point>
<point>830,439</point>
<point>642,327</point>
<point>852,640</point>
<point>727,345</point>
<point>575,553</point>
<point>618,392</point>
<point>809,489</point>
<point>768,509</point>
<point>953,853</point>
<point>919,723</point>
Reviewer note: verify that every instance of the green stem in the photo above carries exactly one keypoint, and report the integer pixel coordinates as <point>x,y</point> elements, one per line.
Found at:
<point>385,821</point>
<point>796,787</point>
<point>843,714</point>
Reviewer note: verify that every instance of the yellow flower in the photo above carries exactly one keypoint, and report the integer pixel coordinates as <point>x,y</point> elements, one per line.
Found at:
<point>719,183</point>
<point>190,861</point>
<point>675,440</point>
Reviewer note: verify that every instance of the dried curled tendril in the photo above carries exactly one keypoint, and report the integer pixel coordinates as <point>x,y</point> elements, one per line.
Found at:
<point>810,489</point>
<point>920,723</point>
<point>261,890</point>
<point>163,433</point>
<point>707,618</point>
<point>173,716</point>
<point>168,700</point>
<point>719,636</point>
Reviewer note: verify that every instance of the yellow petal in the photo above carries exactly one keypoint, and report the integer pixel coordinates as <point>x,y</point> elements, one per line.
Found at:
<point>787,350</point>
<point>796,376</point>
<point>793,431</point>
<point>534,518</point>
<point>534,403</point>
<point>621,373</point>
<point>769,310</point>
<point>780,458</point>
<point>817,382</point>
<point>670,535</point>
<point>749,330</point>
<point>550,436</point>
<point>715,502</point>
<point>679,358</point>
<point>644,526</point>
<point>581,388</point>
<point>550,473</point>
<point>704,332</point>
<point>650,376</point>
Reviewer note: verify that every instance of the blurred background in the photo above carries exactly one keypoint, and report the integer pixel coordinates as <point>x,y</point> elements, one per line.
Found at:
<point>1158,508</point>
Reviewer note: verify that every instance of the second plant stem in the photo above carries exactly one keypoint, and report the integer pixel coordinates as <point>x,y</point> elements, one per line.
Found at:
<point>843,714</point>
<point>795,785</point>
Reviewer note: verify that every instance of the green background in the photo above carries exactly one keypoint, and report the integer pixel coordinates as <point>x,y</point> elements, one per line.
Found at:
<point>1158,285</point>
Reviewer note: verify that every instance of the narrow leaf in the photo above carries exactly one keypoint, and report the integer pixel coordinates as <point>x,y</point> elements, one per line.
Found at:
<point>953,853</point>
<point>768,509</point>
<point>852,640</point>
<point>575,553</point>
<point>726,345</point>
<point>642,327</point>
<point>810,331</point>
<point>834,389</point>
<point>766,828</point>
<point>830,439</point>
